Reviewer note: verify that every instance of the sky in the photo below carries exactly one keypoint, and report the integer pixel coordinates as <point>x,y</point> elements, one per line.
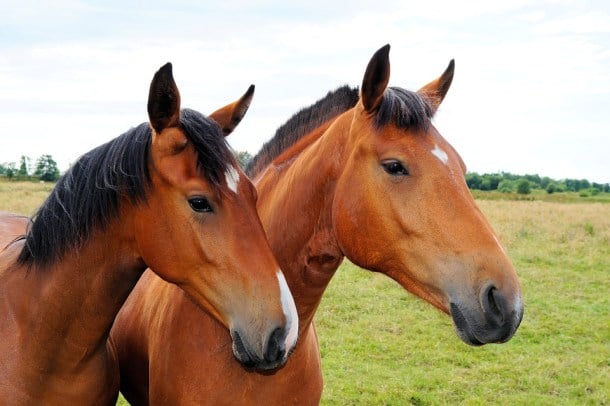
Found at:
<point>530,95</point>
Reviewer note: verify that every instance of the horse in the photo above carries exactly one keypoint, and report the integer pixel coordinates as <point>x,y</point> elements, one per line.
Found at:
<point>168,194</point>
<point>360,176</point>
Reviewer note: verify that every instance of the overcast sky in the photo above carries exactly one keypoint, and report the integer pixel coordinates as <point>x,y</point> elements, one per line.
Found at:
<point>531,92</point>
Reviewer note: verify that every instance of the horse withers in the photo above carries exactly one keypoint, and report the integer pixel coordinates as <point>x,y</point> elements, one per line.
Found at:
<point>168,194</point>
<point>363,175</point>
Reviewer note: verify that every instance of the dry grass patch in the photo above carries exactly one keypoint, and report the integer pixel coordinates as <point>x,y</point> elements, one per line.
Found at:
<point>23,197</point>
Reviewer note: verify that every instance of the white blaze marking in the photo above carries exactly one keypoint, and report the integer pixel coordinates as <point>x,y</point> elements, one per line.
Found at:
<point>232,177</point>
<point>440,154</point>
<point>290,312</point>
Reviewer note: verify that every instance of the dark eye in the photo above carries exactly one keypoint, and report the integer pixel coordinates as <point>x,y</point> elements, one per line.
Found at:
<point>395,168</point>
<point>201,205</point>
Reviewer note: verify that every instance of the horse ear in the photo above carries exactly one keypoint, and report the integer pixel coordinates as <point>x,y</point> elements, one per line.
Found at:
<point>229,116</point>
<point>436,90</point>
<point>376,79</point>
<point>163,100</point>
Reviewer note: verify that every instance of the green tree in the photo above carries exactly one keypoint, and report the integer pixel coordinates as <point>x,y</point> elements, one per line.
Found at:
<point>523,187</point>
<point>244,157</point>
<point>534,180</point>
<point>46,169</point>
<point>24,166</point>
<point>545,182</point>
<point>10,170</point>
<point>506,186</point>
<point>585,184</point>
<point>473,180</point>
<point>491,181</point>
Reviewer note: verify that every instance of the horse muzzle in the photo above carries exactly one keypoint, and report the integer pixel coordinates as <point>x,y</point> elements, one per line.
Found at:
<point>494,318</point>
<point>272,354</point>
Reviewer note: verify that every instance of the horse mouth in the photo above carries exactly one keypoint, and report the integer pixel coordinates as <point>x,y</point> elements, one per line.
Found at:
<point>463,329</point>
<point>477,331</point>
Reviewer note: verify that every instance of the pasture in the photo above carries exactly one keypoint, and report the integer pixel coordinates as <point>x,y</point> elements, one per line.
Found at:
<point>381,345</point>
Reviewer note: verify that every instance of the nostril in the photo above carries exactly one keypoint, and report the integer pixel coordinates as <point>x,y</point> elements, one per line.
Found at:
<point>492,304</point>
<point>275,346</point>
<point>238,343</point>
<point>492,301</point>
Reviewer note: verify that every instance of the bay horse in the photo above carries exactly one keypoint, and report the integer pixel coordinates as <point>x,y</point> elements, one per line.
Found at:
<point>367,177</point>
<point>168,194</point>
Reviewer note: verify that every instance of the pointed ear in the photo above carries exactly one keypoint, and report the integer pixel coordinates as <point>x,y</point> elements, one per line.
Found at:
<point>436,90</point>
<point>163,100</point>
<point>376,79</point>
<point>229,116</point>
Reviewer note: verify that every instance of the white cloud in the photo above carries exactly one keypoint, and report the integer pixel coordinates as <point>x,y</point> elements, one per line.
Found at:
<point>530,75</point>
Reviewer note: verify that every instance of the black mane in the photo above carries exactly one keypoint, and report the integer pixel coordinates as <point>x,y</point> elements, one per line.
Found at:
<point>87,197</point>
<point>403,108</point>
<point>302,123</point>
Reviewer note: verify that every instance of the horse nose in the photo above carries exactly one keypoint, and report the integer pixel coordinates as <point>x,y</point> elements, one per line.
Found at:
<point>272,354</point>
<point>276,348</point>
<point>493,305</point>
<point>502,314</point>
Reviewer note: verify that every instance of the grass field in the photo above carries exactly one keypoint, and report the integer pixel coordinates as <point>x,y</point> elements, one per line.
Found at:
<point>23,197</point>
<point>382,346</point>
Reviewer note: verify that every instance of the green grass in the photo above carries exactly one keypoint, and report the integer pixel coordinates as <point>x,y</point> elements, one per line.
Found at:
<point>382,346</point>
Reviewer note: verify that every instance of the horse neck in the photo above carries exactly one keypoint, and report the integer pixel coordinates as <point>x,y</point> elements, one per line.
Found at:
<point>295,205</point>
<point>70,305</point>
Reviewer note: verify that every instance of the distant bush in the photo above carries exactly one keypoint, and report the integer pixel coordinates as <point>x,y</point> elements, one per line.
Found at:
<point>507,182</point>
<point>506,186</point>
<point>523,187</point>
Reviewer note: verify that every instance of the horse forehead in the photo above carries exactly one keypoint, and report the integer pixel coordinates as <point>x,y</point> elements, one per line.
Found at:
<point>170,141</point>
<point>417,142</point>
<point>431,142</point>
<point>418,145</point>
<point>440,154</point>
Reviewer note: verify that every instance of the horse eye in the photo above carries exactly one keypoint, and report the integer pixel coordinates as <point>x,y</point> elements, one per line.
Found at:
<point>395,168</point>
<point>200,204</point>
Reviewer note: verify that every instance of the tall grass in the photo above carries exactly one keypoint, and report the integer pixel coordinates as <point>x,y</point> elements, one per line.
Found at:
<point>382,346</point>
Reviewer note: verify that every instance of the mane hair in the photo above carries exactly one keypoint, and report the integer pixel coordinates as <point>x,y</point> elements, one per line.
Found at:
<point>302,123</point>
<point>406,109</point>
<point>403,108</point>
<point>88,196</point>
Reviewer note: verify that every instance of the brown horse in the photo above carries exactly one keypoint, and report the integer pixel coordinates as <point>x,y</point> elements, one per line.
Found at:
<point>170,196</point>
<point>366,178</point>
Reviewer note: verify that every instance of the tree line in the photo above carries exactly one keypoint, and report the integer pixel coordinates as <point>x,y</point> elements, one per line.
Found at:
<point>45,169</point>
<point>524,184</point>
